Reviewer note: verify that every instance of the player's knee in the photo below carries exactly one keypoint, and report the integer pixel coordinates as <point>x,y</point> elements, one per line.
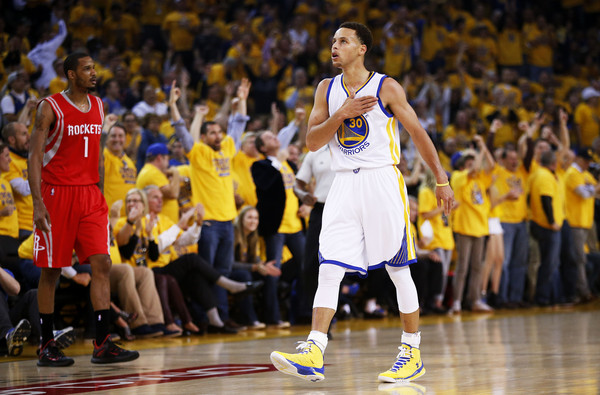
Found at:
<point>330,275</point>
<point>100,264</point>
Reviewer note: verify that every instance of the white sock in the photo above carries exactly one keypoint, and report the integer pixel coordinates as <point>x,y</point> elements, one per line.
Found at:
<point>412,339</point>
<point>371,305</point>
<point>319,338</point>
<point>231,285</point>
<point>213,317</point>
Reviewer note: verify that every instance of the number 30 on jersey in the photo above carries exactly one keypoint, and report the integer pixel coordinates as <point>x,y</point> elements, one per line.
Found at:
<point>353,131</point>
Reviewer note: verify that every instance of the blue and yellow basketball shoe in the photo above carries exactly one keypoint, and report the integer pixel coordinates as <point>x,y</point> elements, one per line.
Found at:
<point>408,366</point>
<point>307,364</point>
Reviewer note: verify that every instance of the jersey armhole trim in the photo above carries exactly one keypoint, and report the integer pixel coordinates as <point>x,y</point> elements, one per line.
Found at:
<point>386,112</point>
<point>329,91</point>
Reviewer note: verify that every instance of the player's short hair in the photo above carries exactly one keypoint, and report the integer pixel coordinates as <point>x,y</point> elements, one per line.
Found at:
<point>72,61</point>
<point>362,32</point>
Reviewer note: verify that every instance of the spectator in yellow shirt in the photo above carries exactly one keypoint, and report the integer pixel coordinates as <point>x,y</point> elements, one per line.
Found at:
<point>511,182</point>
<point>546,202</point>
<point>181,26</point>
<point>210,155</point>
<point>581,189</point>
<point>157,172</point>
<point>540,42</point>
<point>119,170</point>
<point>120,28</point>
<point>16,135</point>
<point>587,122</point>
<point>470,225</point>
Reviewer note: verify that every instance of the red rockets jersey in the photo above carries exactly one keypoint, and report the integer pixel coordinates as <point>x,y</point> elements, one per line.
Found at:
<point>73,145</point>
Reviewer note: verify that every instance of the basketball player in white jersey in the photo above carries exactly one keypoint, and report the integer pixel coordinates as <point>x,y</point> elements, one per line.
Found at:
<point>366,221</point>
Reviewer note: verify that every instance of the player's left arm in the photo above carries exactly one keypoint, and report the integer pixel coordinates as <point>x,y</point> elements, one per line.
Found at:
<point>393,96</point>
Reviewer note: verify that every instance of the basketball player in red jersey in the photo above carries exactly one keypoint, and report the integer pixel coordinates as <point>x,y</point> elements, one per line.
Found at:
<point>69,210</point>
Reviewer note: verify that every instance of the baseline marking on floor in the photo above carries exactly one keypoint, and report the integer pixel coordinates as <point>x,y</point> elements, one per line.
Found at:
<point>135,379</point>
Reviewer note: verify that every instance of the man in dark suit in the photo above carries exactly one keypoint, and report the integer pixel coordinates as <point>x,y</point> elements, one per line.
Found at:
<point>278,212</point>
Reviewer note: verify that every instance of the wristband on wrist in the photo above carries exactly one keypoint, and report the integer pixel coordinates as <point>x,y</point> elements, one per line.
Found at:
<point>443,185</point>
<point>131,223</point>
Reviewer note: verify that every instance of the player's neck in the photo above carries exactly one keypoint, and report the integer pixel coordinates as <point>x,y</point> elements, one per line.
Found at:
<point>77,96</point>
<point>355,75</point>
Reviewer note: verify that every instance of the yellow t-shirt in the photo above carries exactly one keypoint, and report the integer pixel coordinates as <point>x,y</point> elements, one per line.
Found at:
<point>151,175</point>
<point>484,50</point>
<point>513,211</point>
<point>397,54</point>
<point>510,48</point>
<point>242,176</point>
<point>119,177</point>
<point>290,223</point>
<point>140,253</point>
<point>179,26</point>
<point>125,30</point>
<point>83,30</point>
<point>212,181</point>
<point>18,168</point>
<point>587,121</point>
<point>539,55</point>
<point>442,232</point>
<point>9,225</point>
<point>471,216</point>
<point>579,211</point>
<point>545,183</point>
<point>58,84</point>
<point>434,37</point>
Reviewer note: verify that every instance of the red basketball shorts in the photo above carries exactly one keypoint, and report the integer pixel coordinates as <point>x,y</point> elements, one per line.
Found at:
<point>78,220</point>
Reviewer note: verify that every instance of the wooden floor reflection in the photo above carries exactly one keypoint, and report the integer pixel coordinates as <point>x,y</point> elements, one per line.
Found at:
<point>536,351</point>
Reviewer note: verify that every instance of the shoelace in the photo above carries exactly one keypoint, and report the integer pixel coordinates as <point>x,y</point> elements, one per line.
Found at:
<point>402,358</point>
<point>303,346</point>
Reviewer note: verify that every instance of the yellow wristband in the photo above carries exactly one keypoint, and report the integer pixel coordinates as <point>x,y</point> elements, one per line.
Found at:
<point>442,185</point>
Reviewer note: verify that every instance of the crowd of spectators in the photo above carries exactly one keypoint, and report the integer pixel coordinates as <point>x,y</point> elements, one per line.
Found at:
<point>198,92</point>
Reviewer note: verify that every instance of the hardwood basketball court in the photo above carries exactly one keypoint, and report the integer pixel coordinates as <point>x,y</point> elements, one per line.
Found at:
<point>534,351</point>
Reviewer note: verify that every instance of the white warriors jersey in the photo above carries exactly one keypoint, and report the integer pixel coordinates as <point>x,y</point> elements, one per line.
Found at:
<point>371,140</point>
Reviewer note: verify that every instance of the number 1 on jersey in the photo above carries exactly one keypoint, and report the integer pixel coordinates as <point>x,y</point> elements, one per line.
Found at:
<point>85,149</point>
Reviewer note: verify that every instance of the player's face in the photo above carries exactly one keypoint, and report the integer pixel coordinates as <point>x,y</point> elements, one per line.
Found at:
<point>250,221</point>
<point>85,75</point>
<point>213,137</point>
<point>346,47</point>
<point>116,140</point>
<point>5,160</point>
<point>21,138</point>
<point>155,201</point>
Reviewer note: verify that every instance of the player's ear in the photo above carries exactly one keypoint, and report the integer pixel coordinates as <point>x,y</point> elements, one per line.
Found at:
<point>363,49</point>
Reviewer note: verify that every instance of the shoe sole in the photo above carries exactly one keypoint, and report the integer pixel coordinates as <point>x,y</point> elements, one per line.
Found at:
<point>134,355</point>
<point>284,366</point>
<point>63,364</point>
<point>18,337</point>
<point>66,338</point>
<point>386,379</point>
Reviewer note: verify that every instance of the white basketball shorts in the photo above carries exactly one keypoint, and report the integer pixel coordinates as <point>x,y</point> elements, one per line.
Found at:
<point>364,221</point>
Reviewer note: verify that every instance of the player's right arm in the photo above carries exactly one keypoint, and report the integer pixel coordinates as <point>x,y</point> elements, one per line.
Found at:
<point>44,119</point>
<point>321,126</point>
